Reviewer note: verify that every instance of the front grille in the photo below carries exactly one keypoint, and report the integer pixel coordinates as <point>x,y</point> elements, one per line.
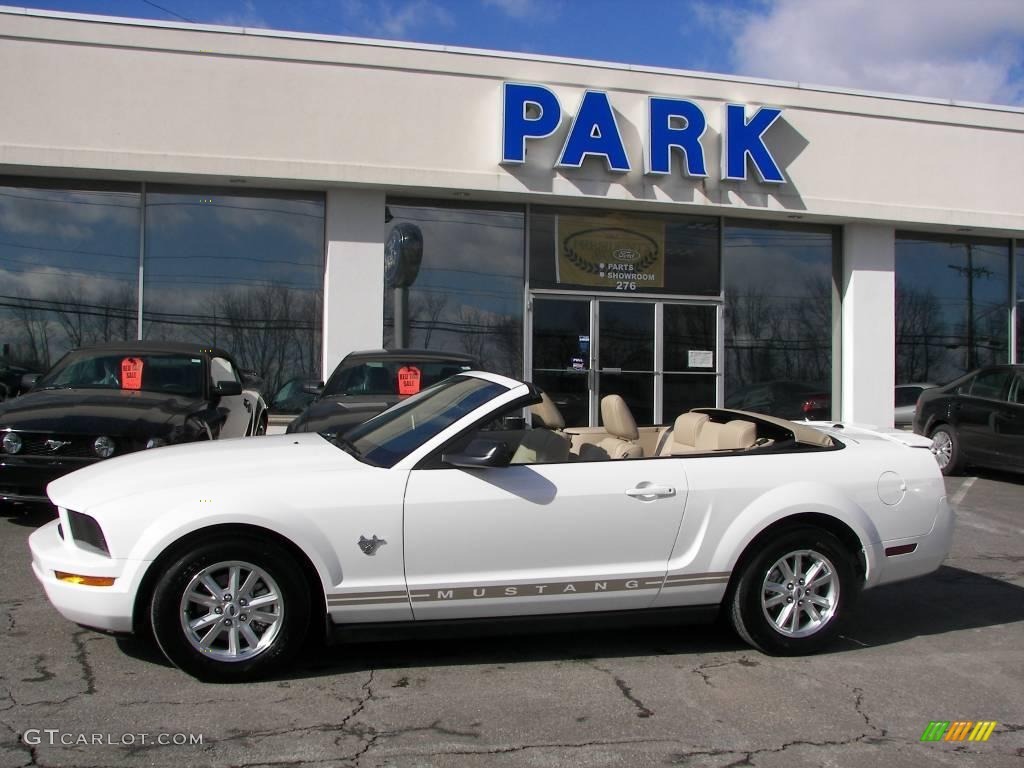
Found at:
<point>78,446</point>
<point>69,446</point>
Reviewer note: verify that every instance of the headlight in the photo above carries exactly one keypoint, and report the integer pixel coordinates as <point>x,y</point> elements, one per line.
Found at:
<point>103,447</point>
<point>155,442</point>
<point>12,442</point>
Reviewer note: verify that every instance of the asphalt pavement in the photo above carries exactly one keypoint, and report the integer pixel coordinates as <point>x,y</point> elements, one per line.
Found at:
<point>948,647</point>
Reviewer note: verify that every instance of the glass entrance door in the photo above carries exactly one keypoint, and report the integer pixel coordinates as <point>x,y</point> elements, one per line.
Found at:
<point>624,362</point>
<point>561,355</point>
<point>658,355</point>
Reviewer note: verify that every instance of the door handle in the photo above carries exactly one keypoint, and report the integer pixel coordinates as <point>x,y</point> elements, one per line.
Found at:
<point>649,492</point>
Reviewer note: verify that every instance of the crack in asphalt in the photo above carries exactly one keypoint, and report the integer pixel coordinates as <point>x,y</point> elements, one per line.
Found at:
<point>43,673</point>
<point>81,656</point>
<point>9,608</point>
<point>858,705</point>
<point>746,759</point>
<point>743,661</point>
<point>19,744</point>
<point>624,688</point>
<point>545,745</point>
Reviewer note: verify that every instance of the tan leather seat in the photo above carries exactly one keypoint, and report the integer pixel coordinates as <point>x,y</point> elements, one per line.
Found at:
<point>682,438</point>
<point>546,414</point>
<point>545,443</point>
<point>734,436</point>
<point>623,438</point>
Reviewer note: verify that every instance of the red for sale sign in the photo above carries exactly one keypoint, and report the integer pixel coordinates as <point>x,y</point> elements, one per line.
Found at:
<point>408,380</point>
<point>131,373</point>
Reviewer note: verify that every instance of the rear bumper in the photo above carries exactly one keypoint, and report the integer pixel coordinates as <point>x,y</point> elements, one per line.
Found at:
<point>930,551</point>
<point>107,608</point>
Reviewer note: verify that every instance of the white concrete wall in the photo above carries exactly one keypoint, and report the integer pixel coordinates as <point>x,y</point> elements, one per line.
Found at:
<point>354,280</point>
<point>869,324</point>
<point>116,99</point>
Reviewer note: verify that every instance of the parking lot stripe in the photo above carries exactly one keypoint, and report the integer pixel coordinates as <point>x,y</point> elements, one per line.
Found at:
<point>958,497</point>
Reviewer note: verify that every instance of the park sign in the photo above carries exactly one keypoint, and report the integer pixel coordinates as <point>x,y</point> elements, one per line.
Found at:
<point>533,112</point>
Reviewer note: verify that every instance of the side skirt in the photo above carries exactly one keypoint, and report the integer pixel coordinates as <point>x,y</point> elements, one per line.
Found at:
<point>521,625</point>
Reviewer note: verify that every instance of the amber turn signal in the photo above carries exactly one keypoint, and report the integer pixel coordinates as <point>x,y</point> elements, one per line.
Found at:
<point>89,581</point>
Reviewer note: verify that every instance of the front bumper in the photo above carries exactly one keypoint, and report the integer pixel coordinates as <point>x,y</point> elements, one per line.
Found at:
<point>107,608</point>
<point>24,478</point>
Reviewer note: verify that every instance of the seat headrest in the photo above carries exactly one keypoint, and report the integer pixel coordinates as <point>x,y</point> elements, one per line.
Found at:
<point>687,427</point>
<point>737,434</point>
<point>546,413</point>
<point>617,418</point>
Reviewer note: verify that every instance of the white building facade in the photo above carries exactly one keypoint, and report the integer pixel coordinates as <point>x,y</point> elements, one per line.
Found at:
<point>679,238</point>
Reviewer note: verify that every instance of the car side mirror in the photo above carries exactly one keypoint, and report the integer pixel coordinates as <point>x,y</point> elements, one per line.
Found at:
<point>314,388</point>
<point>480,453</point>
<point>28,380</point>
<point>227,388</point>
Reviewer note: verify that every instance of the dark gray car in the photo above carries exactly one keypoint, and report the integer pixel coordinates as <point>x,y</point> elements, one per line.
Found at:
<point>977,419</point>
<point>367,382</point>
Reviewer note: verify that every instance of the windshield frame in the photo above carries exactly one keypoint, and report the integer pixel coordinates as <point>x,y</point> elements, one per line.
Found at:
<point>364,440</point>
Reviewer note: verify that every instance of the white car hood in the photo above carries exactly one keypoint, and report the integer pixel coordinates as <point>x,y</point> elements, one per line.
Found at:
<point>196,463</point>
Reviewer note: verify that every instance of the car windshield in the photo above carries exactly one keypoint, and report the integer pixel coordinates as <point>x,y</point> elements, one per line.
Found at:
<point>390,377</point>
<point>166,373</point>
<point>392,435</point>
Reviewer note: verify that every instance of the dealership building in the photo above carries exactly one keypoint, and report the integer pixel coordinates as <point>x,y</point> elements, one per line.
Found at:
<point>680,238</point>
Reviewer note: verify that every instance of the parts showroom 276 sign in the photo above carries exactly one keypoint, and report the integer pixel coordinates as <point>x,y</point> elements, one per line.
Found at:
<point>595,252</point>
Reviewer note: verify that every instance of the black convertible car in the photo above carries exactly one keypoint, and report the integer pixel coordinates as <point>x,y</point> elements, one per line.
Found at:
<point>104,401</point>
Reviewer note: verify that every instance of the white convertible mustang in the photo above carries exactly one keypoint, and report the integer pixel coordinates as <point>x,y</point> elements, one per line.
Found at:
<point>448,507</point>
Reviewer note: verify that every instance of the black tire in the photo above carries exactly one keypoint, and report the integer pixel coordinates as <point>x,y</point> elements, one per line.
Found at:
<point>230,656</point>
<point>946,447</point>
<point>758,623</point>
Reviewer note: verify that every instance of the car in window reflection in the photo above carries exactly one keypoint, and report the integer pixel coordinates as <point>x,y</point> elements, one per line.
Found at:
<point>905,397</point>
<point>104,401</point>
<point>449,509</point>
<point>796,400</point>
<point>11,378</point>
<point>367,382</point>
<point>976,420</point>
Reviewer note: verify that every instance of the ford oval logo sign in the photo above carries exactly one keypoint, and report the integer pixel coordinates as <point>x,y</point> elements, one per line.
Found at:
<point>625,254</point>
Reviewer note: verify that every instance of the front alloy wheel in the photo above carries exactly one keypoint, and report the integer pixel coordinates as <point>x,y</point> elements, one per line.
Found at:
<point>231,610</point>
<point>793,595</point>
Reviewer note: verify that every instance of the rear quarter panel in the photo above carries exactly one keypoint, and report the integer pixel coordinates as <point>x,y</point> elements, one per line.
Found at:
<point>732,499</point>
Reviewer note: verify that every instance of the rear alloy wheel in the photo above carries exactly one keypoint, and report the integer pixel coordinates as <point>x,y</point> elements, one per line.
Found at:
<point>231,610</point>
<point>793,596</point>
<point>946,448</point>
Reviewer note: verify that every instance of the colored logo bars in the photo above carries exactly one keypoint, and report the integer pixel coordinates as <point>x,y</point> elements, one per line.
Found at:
<point>958,730</point>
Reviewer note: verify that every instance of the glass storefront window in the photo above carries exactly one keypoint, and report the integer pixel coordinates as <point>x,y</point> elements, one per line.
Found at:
<point>952,302</point>
<point>1019,250</point>
<point>594,250</point>
<point>778,319</point>
<point>69,270</point>
<point>238,270</point>
<point>690,358</point>
<point>468,293</point>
